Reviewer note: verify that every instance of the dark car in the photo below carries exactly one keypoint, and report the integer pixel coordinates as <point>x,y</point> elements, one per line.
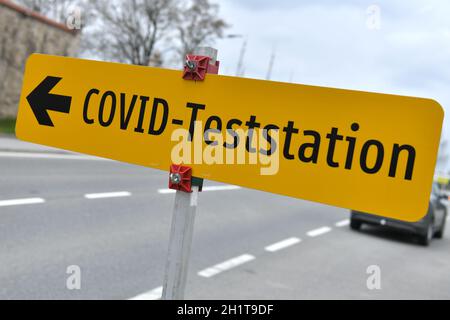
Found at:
<point>432,225</point>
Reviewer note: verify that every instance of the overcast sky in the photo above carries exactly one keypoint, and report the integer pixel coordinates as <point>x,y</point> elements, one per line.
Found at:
<point>343,44</point>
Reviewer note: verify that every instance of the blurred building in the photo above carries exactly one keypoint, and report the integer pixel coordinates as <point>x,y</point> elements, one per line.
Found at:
<point>22,32</point>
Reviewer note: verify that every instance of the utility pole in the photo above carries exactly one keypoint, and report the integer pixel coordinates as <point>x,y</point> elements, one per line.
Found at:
<point>271,62</point>
<point>240,66</point>
<point>291,76</point>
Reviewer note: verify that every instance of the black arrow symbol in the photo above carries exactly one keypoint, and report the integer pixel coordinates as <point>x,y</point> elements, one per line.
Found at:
<point>41,101</point>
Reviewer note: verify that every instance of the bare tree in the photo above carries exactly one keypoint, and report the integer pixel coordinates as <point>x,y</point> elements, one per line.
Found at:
<point>149,32</point>
<point>128,31</point>
<point>58,10</point>
<point>198,24</point>
<point>142,32</point>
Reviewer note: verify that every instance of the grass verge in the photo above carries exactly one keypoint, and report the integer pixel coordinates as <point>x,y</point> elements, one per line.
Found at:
<point>7,125</point>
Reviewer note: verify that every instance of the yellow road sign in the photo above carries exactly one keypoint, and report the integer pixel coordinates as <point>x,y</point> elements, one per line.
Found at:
<point>366,151</point>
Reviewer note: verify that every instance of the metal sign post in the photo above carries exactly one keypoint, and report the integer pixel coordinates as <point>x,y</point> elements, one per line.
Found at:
<point>202,61</point>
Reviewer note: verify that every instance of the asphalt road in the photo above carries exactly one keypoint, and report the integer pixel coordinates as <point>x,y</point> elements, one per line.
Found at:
<point>239,252</point>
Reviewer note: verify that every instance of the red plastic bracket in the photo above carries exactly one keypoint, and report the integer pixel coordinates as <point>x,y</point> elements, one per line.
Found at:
<point>213,68</point>
<point>196,67</point>
<point>180,178</point>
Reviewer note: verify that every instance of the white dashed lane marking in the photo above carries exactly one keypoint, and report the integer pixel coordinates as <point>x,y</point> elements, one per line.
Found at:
<point>107,195</point>
<point>343,223</point>
<point>226,265</point>
<point>154,294</point>
<point>282,244</point>
<point>17,202</point>
<point>318,231</point>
